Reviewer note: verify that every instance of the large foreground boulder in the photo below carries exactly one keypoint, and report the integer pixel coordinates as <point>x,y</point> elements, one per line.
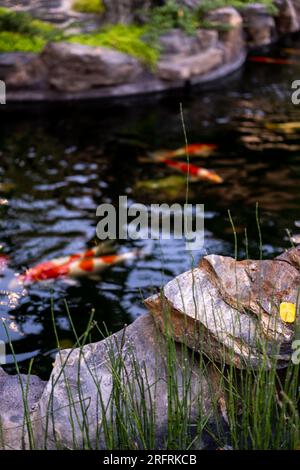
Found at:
<point>125,375</point>
<point>231,310</point>
<point>16,421</point>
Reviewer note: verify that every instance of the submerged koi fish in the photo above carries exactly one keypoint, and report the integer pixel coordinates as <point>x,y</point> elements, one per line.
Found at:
<point>193,150</point>
<point>273,60</point>
<point>287,127</point>
<point>195,171</point>
<point>74,266</point>
<point>291,51</point>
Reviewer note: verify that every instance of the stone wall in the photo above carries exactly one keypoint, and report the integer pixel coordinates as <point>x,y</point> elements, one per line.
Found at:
<point>185,60</point>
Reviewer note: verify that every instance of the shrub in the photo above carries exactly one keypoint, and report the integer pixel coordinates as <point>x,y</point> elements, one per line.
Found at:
<point>19,32</point>
<point>171,15</point>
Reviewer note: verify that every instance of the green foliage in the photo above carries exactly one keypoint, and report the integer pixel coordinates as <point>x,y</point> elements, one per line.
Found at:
<point>16,42</point>
<point>171,15</point>
<point>209,5</point>
<point>126,39</point>
<point>88,6</point>
<point>20,32</point>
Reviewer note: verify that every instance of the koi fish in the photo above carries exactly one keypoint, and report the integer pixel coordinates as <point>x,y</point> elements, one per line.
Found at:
<point>291,51</point>
<point>193,150</point>
<point>3,202</point>
<point>195,171</point>
<point>287,127</point>
<point>273,60</point>
<point>74,266</point>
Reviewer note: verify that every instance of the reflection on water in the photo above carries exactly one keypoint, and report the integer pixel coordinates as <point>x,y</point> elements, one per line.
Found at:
<point>57,164</point>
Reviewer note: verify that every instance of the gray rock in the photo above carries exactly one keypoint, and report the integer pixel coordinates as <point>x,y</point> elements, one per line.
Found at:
<point>13,425</point>
<point>259,25</point>
<point>231,34</point>
<point>74,67</point>
<point>184,68</point>
<point>207,38</point>
<point>177,42</point>
<point>69,401</point>
<point>230,309</point>
<point>287,20</point>
<point>125,11</point>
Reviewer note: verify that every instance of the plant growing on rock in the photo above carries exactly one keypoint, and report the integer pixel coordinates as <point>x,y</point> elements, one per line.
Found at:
<point>171,15</point>
<point>126,39</point>
<point>209,5</point>
<point>88,6</point>
<point>20,32</point>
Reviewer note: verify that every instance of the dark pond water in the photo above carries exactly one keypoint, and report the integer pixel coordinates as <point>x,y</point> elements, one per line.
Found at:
<point>59,163</point>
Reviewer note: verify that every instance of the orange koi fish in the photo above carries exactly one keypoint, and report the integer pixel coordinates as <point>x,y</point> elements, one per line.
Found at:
<point>197,172</point>
<point>290,51</point>
<point>74,266</point>
<point>193,150</point>
<point>273,60</point>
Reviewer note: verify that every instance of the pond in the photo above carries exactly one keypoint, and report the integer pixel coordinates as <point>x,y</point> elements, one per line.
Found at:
<point>58,163</point>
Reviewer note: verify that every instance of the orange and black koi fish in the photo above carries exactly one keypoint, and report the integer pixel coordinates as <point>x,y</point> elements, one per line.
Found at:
<point>273,60</point>
<point>193,150</point>
<point>195,171</point>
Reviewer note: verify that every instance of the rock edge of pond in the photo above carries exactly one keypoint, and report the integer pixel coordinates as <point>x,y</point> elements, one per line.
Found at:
<point>65,71</point>
<point>67,407</point>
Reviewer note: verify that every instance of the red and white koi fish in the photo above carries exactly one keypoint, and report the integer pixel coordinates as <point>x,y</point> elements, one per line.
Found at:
<point>273,60</point>
<point>74,266</point>
<point>193,150</point>
<point>195,171</point>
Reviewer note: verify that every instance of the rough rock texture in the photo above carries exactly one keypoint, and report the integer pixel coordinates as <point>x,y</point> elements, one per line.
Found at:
<point>259,25</point>
<point>74,67</point>
<point>125,11</point>
<point>184,68</point>
<point>95,365</point>
<point>232,38</point>
<point>13,428</point>
<point>230,309</point>
<point>177,42</point>
<point>287,20</point>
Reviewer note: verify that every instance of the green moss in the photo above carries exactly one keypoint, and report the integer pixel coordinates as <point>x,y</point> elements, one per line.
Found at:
<point>126,39</point>
<point>16,42</point>
<point>88,6</point>
<point>208,5</point>
<point>19,32</point>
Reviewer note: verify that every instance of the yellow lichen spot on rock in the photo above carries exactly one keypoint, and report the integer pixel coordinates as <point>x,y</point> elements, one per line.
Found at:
<point>287,312</point>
